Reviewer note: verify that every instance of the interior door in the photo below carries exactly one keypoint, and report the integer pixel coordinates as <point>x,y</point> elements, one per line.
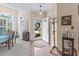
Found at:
<point>45,29</point>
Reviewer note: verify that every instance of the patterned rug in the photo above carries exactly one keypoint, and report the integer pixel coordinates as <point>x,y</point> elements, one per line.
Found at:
<point>39,43</point>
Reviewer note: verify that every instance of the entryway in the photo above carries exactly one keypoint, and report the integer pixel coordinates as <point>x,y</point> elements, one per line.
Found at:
<point>40,29</point>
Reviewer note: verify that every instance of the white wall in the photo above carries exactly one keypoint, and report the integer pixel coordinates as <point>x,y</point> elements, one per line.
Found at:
<point>52,10</point>
<point>64,10</point>
<point>59,10</point>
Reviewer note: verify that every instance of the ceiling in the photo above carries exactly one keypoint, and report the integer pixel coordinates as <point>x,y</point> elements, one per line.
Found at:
<point>29,6</point>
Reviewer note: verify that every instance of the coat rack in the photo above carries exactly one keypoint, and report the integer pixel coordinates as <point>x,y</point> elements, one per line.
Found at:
<point>54,47</point>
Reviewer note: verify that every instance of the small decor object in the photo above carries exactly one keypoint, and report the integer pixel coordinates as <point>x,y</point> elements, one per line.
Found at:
<point>37,25</point>
<point>66,20</point>
<point>64,34</point>
<point>72,27</point>
<point>70,35</point>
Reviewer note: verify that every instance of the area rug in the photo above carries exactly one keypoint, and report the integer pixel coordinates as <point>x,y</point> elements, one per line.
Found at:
<point>39,43</point>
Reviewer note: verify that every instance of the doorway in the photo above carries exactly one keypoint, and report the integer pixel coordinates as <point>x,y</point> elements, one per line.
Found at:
<point>36,29</point>
<point>20,26</point>
<point>40,29</point>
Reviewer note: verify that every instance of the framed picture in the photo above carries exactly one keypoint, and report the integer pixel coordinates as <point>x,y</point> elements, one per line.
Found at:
<point>66,20</point>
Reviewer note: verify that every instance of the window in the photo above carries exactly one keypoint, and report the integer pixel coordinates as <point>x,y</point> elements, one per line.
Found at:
<point>5,24</point>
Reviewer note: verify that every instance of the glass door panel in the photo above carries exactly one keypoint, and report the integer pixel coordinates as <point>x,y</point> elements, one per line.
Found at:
<point>45,30</point>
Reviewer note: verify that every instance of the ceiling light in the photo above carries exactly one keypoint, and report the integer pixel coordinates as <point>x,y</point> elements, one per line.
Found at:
<point>40,10</point>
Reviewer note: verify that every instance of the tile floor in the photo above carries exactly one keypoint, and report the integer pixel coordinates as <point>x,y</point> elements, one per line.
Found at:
<point>23,48</point>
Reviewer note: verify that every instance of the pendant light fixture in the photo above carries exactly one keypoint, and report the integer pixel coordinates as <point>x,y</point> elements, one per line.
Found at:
<point>40,10</point>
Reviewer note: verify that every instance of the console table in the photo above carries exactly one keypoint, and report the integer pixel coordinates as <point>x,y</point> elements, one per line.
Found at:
<point>67,46</point>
